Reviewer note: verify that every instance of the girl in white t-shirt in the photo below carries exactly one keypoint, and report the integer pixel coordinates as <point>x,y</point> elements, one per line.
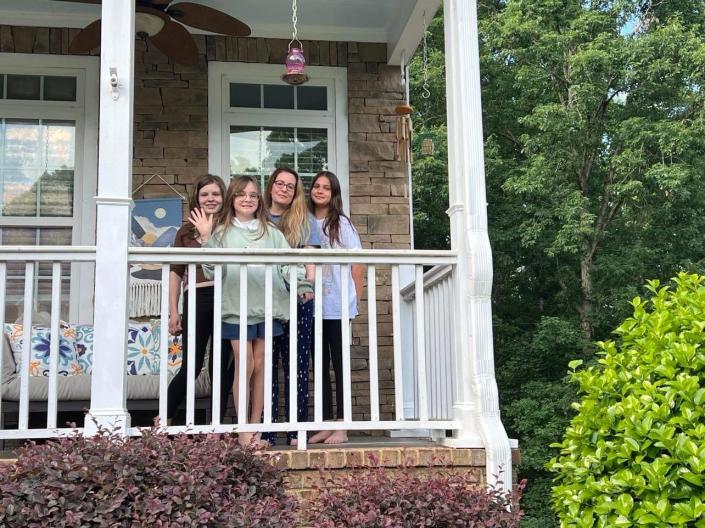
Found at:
<point>336,232</point>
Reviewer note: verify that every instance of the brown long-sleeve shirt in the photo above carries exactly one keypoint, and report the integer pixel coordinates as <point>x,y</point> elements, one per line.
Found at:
<point>184,238</point>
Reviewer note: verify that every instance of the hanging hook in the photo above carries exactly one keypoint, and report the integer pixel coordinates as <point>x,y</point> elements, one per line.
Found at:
<point>425,93</point>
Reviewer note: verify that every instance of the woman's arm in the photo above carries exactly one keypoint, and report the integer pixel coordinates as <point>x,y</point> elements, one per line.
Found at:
<point>174,294</point>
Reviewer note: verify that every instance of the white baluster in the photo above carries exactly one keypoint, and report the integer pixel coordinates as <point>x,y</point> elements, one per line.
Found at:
<point>345,332</point>
<point>421,346</point>
<point>372,338</point>
<point>396,331</point>
<point>54,344</point>
<point>23,420</point>
<point>191,367</point>
<point>318,347</point>
<point>217,343</point>
<point>3,287</point>
<point>164,347</point>
<point>293,339</point>
<point>242,375</point>
<point>268,344</point>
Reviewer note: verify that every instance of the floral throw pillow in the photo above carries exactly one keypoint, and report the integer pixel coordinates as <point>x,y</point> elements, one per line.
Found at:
<point>142,358</point>
<point>41,347</point>
<point>174,345</point>
<point>84,347</point>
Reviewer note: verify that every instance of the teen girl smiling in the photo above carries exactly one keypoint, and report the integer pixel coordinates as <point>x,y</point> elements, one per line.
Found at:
<point>244,224</point>
<point>337,232</point>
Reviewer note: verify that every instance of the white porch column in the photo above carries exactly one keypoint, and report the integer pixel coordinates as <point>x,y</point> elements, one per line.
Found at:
<point>476,400</point>
<point>108,389</point>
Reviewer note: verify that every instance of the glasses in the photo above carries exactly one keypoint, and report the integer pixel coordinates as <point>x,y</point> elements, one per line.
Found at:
<point>290,187</point>
<point>252,196</point>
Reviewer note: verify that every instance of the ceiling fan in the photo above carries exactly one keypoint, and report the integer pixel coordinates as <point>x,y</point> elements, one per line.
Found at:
<point>158,21</point>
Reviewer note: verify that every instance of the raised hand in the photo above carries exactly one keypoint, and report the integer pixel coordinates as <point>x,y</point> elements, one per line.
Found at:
<point>203,223</point>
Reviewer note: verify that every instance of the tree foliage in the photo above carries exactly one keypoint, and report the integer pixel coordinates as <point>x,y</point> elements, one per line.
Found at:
<point>594,123</point>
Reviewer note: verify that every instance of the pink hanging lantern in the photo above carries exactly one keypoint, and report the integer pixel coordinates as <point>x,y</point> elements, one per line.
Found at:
<point>295,60</point>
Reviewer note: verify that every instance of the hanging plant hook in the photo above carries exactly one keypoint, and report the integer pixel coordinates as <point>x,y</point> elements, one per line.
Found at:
<point>426,92</point>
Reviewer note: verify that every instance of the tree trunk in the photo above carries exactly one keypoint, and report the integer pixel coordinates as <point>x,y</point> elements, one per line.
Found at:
<point>585,308</point>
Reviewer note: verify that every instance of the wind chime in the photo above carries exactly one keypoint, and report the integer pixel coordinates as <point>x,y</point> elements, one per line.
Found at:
<point>295,60</point>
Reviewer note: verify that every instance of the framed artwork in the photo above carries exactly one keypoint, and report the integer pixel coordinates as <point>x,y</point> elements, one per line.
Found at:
<point>155,222</point>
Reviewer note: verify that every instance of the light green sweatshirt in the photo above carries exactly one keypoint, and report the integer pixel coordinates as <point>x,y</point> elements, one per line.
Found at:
<point>238,237</point>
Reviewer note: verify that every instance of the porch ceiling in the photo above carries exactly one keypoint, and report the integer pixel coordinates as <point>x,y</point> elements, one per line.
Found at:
<point>396,22</point>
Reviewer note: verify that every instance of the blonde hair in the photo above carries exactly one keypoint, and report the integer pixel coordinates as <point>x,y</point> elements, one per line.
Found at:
<point>225,218</point>
<point>294,223</point>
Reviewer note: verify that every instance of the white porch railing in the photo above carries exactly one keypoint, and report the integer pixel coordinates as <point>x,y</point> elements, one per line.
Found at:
<point>433,376</point>
<point>436,317</point>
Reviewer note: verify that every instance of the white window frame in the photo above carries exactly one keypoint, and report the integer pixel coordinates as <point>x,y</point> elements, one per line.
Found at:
<point>84,111</point>
<point>221,116</point>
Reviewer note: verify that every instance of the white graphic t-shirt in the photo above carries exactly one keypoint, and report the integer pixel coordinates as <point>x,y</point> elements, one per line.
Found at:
<point>349,239</point>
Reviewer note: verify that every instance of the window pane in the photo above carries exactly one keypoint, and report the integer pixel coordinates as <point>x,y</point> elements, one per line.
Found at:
<point>245,95</point>
<point>42,277</point>
<point>37,168</point>
<point>59,88</point>
<point>20,192</point>
<point>279,148</point>
<point>312,98</point>
<point>245,151</point>
<point>278,96</point>
<point>23,87</point>
<point>312,150</point>
<point>22,144</point>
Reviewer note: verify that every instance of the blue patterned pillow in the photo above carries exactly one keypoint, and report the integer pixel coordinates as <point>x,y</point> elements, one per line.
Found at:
<point>40,348</point>
<point>142,356</point>
<point>84,347</point>
<point>175,350</point>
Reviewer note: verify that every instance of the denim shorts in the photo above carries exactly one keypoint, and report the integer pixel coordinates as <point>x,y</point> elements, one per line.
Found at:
<point>254,331</point>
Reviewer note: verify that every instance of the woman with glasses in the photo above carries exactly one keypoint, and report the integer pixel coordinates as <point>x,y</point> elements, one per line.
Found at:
<point>284,199</point>
<point>244,223</point>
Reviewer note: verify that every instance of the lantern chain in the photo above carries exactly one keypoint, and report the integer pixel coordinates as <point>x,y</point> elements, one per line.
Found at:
<point>294,20</point>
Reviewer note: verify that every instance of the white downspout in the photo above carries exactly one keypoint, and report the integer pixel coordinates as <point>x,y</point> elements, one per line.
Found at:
<point>114,203</point>
<point>476,404</point>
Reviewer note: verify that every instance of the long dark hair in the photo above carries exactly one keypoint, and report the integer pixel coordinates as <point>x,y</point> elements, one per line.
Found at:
<point>331,224</point>
<point>193,199</point>
<point>225,218</point>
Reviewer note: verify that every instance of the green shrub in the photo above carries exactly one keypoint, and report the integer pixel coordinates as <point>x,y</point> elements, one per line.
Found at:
<point>152,480</point>
<point>634,455</point>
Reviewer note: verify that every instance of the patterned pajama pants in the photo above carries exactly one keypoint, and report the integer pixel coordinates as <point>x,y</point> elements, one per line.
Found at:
<point>280,352</point>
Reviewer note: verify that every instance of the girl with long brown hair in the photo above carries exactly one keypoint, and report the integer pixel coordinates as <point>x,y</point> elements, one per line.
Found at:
<point>337,232</point>
<point>207,198</point>
<point>244,223</point>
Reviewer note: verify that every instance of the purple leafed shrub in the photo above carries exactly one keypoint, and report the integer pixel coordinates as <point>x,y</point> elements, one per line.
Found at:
<point>152,480</point>
<point>377,498</point>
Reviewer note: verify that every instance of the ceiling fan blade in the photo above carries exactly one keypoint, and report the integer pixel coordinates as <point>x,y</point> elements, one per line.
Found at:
<point>158,3</point>
<point>176,42</point>
<point>87,39</point>
<point>208,19</point>
<point>97,2</point>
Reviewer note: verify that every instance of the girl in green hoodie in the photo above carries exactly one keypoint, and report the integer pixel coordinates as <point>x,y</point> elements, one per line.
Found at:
<point>244,223</point>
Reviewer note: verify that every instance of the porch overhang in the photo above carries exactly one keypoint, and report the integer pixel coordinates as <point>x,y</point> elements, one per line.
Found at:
<point>398,23</point>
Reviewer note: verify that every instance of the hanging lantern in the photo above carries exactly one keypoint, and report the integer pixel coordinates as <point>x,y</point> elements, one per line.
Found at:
<point>427,146</point>
<point>295,60</point>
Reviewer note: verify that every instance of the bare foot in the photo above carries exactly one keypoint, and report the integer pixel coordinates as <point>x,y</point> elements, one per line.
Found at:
<point>337,437</point>
<point>245,439</point>
<point>319,437</point>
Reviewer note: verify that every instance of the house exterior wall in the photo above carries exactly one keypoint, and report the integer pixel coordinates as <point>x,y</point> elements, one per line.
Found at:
<point>171,140</point>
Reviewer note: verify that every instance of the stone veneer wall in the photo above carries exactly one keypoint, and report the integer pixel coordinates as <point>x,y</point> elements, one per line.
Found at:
<point>171,140</point>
